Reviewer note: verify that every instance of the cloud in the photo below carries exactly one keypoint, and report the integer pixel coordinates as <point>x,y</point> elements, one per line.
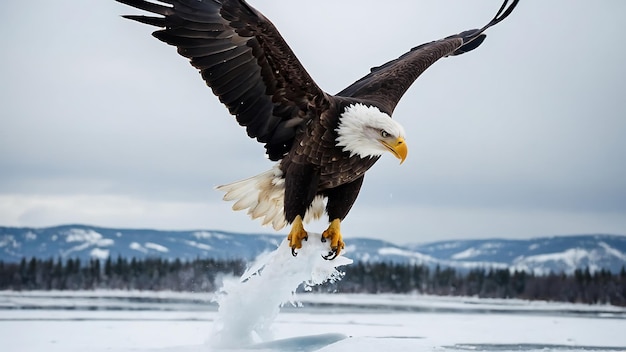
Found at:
<point>104,124</point>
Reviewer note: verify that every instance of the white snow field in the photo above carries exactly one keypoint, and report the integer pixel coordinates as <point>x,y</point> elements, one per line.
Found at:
<point>245,316</point>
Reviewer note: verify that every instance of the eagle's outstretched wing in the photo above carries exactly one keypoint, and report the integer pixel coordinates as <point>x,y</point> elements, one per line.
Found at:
<point>244,59</point>
<point>386,84</point>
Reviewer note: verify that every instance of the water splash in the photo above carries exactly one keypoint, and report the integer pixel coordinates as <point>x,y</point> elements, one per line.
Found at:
<point>249,305</point>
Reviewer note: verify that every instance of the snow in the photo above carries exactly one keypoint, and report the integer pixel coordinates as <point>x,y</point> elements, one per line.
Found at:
<point>87,239</point>
<point>77,248</point>
<point>571,258</point>
<point>247,316</point>
<point>157,247</point>
<point>202,235</point>
<point>613,251</point>
<point>80,235</point>
<point>99,253</point>
<point>449,245</point>
<point>424,258</point>
<point>137,247</point>
<point>30,236</point>
<point>146,247</point>
<point>7,240</point>
<point>406,253</point>
<point>483,249</point>
<point>203,246</point>
<point>468,253</point>
<point>105,242</point>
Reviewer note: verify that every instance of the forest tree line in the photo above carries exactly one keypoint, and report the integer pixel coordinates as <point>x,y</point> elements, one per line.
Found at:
<point>203,275</point>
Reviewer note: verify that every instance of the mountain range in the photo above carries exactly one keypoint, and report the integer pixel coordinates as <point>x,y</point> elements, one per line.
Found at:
<point>539,255</point>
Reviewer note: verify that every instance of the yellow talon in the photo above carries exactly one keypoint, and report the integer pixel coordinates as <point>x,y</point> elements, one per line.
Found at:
<point>333,233</point>
<point>296,235</point>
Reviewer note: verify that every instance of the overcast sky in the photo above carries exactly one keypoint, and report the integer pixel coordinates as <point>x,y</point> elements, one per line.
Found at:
<point>526,136</point>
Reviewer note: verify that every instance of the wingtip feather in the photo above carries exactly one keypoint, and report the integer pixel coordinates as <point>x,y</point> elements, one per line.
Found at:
<point>149,20</point>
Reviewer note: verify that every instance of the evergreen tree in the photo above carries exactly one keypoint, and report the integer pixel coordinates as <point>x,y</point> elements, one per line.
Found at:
<point>583,285</point>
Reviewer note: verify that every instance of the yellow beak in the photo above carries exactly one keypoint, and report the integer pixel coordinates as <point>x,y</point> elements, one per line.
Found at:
<point>397,148</point>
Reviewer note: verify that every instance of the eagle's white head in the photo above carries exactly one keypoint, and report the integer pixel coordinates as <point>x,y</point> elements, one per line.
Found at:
<point>367,132</point>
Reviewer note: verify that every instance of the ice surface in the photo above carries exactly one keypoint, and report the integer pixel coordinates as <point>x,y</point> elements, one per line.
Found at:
<point>301,343</point>
<point>161,331</point>
<point>373,324</point>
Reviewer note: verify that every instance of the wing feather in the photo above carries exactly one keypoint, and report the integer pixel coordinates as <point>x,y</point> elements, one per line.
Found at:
<point>386,84</point>
<point>245,61</point>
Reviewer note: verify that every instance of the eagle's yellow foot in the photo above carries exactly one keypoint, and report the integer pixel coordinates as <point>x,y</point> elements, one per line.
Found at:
<point>296,235</point>
<point>333,234</point>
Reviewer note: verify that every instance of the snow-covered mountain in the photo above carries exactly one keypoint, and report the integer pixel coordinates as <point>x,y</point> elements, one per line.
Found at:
<point>540,255</point>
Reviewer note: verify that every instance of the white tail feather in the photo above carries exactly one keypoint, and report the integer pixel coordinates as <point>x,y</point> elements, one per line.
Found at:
<point>264,197</point>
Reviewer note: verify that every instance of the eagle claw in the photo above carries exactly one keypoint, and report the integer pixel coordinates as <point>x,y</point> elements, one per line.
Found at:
<point>293,249</point>
<point>297,235</point>
<point>334,253</point>
<point>333,234</point>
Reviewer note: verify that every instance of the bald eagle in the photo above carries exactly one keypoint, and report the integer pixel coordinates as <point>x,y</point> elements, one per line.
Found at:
<point>322,144</point>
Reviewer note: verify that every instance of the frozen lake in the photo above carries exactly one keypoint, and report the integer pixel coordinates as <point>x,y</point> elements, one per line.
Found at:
<point>246,317</point>
<point>183,322</point>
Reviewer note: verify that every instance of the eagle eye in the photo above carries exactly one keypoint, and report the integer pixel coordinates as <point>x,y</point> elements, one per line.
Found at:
<point>384,133</point>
